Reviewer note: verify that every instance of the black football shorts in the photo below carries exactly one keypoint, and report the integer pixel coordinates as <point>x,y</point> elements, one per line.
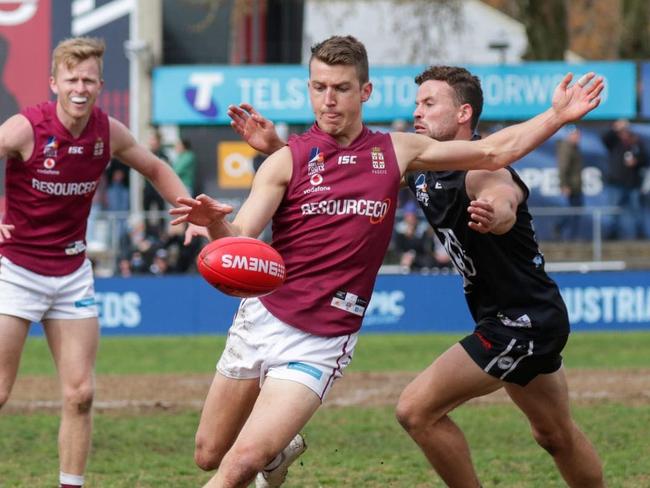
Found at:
<point>514,359</point>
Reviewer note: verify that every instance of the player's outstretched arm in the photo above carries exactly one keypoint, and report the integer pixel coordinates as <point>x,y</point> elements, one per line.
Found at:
<point>570,102</point>
<point>269,186</point>
<point>258,131</point>
<point>125,148</point>
<point>495,198</point>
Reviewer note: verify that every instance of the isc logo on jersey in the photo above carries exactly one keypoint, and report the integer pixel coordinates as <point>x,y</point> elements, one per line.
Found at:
<point>347,159</point>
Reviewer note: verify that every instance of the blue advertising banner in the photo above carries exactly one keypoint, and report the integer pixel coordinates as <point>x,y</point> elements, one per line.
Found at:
<point>401,303</point>
<point>201,94</point>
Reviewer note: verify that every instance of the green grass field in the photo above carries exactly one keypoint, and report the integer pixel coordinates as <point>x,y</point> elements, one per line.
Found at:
<point>348,447</point>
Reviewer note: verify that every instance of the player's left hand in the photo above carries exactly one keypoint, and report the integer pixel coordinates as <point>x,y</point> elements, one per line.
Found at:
<point>482,216</point>
<point>575,101</point>
<point>258,131</point>
<point>193,231</point>
<point>5,231</point>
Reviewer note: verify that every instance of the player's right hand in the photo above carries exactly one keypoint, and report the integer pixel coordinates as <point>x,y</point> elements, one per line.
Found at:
<point>258,131</point>
<point>202,210</point>
<point>5,232</point>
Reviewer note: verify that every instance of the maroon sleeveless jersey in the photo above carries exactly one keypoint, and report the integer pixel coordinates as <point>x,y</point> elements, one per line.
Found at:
<point>48,197</point>
<point>332,229</point>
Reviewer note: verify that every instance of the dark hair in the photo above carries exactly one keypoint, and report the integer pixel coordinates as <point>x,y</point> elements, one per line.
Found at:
<point>466,86</point>
<point>344,50</point>
<point>186,143</point>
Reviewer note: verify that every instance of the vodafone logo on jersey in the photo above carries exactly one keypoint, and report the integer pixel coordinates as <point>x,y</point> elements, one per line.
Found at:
<point>48,167</point>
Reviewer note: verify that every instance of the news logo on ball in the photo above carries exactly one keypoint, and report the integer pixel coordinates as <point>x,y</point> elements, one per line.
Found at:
<point>241,266</point>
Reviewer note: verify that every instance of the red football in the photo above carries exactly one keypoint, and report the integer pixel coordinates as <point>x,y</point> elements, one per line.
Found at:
<point>241,266</point>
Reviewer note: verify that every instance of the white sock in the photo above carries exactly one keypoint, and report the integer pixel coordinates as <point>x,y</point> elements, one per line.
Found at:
<point>70,479</point>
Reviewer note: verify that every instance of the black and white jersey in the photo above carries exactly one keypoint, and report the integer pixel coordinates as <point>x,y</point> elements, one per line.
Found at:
<point>503,275</point>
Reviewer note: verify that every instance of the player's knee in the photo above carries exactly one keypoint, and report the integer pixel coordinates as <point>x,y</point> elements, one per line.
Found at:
<point>79,399</point>
<point>4,396</point>
<point>205,460</point>
<point>553,440</point>
<point>243,461</point>
<point>409,415</point>
<point>207,455</point>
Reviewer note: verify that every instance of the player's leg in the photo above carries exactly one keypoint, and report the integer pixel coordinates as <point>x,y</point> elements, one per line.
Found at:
<point>72,330</point>
<point>281,410</point>
<point>545,401</point>
<point>226,408</point>
<point>13,333</point>
<point>21,303</point>
<point>452,379</point>
<point>73,343</point>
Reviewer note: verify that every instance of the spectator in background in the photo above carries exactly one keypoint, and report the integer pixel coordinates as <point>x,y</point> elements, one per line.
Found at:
<point>181,258</point>
<point>117,200</point>
<point>409,240</point>
<point>569,163</point>
<point>434,257</point>
<point>627,159</point>
<point>124,267</point>
<point>416,246</point>
<point>185,164</point>
<point>151,199</point>
<point>160,264</point>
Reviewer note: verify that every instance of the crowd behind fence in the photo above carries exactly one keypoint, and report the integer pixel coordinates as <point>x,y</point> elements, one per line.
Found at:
<point>126,244</point>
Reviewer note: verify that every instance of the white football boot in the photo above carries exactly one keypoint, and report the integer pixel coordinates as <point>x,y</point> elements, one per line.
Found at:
<point>272,478</point>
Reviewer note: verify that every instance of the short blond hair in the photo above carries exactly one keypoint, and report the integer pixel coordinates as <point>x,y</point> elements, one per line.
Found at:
<point>73,51</point>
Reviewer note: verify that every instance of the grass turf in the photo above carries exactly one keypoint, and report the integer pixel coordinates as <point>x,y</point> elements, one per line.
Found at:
<point>351,446</point>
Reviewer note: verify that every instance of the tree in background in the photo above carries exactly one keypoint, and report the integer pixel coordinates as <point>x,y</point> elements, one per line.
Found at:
<point>546,27</point>
<point>635,30</point>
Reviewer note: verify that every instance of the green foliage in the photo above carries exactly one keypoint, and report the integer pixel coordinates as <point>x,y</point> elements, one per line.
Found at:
<point>635,32</point>
<point>546,27</point>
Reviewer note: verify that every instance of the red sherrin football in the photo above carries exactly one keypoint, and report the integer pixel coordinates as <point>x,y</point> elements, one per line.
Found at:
<point>241,266</point>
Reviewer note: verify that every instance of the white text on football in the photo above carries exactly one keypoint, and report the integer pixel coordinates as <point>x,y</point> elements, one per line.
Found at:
<point>267,266</point>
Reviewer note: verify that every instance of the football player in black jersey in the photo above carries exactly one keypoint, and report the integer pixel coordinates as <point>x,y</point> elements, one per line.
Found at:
<point>521,321</point>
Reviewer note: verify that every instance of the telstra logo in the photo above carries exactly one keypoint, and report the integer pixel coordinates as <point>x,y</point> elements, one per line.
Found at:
<point>199,93</point>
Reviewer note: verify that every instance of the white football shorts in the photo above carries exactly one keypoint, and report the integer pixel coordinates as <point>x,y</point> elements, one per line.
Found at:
<point>35,297</point>
<point>261,345</point>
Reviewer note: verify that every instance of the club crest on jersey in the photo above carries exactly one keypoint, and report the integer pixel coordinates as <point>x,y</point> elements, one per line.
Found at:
<point>49,150</point>
<point>98,150</point>
<point>316,162</point>
<point>421,188</point>
<point>378,162</point>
